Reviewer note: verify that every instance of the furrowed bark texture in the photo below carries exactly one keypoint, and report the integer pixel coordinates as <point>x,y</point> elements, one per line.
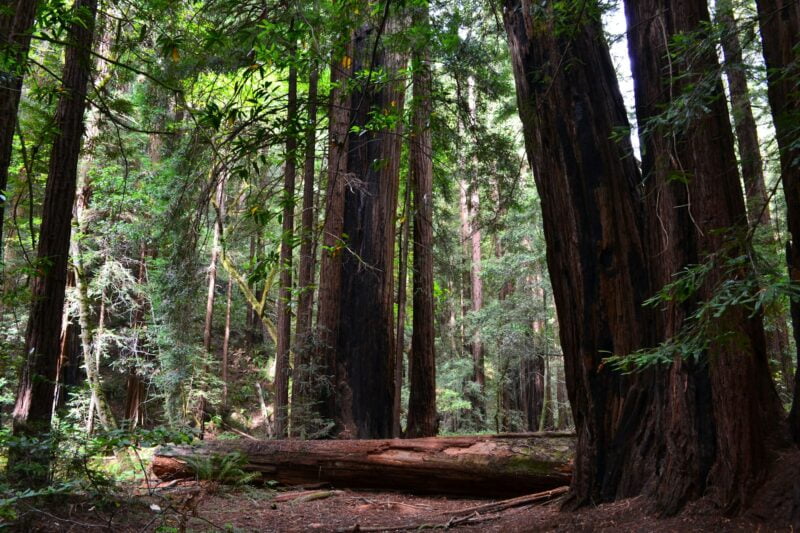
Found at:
<point>33,408</point>
<point>780,38</point>
<point>494,465</point>
<point>716,433</point>
<point>15,40</point>
<point>365,373</point>
<point>588,185</point>
<point>356,287</point>
<point>330,275</point>
<point>422,419</point>
<point>758,211</point>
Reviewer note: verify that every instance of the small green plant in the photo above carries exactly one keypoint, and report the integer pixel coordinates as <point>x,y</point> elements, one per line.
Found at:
<point>228,468</point>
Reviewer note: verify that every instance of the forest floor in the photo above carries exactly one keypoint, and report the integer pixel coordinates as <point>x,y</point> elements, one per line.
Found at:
<point>187,505</point>
<point>203,506</point>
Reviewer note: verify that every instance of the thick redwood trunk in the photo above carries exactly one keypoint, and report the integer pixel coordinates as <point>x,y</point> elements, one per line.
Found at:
<point>357,282</point>
<point>693,188</point>
<point>570,106</point>
<point>422,419</point>
<point>284,318</point>
<point>15,37</point>
<point>481,465</point>
<point>33,408</point>
<point>780,37</point>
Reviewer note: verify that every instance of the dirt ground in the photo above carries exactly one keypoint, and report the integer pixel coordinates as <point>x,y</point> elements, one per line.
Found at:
<point>191,506</point>
<point>178,506</point>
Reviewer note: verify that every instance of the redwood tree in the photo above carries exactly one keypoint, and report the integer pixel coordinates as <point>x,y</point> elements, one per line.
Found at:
<point>357,281</point>
<point>422,420</point>
<point>570,106</point>
<point>697,214</point>
<point>33,408</point>
<point>780,36</point>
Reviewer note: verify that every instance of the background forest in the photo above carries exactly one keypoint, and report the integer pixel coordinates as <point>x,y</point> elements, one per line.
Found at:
<point>349,219</point>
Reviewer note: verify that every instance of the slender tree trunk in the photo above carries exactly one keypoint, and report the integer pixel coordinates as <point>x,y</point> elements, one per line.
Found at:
<point>476,282</point>
<point>212,266</point>
<point>135,387</point>
<point>32,411</point>
<point>301,374</point>
<point>330,276</point>
<point>284,319</point>
<point>780,38</point>
<point>226,342</point>
<point>422,418</point>
<point>752,171</point>
<point>402,282</point>
<point>252,319</point>
<point>15,38</point>
<point>591,208</point>
<point>693,187</point>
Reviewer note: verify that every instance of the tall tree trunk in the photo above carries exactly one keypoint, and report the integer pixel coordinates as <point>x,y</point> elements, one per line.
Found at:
<point>780,37</point>
<point>301,374</point>
<point>32,411</point>
<point>422,419</point>
<point>752,171</point>
<point>284,319</point>
<point>356,288</point>
<point>330,276</point>
<point>402,282</point>
<point>692,186</point>
<point>15,38</point>
<point>476,282</point>
<point>216,245</point>
<point>588,185</point>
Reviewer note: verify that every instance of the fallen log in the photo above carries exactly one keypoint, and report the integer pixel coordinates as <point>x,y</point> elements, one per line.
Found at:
<point>485,465</point>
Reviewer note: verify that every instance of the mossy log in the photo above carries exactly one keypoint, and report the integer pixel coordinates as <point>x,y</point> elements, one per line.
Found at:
<point>485,465</point>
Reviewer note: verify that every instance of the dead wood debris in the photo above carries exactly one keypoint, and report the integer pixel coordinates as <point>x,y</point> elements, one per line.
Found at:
<point>470,515</point>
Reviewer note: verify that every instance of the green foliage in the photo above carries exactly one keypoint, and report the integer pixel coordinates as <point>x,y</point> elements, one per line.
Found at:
<point>228,468</point>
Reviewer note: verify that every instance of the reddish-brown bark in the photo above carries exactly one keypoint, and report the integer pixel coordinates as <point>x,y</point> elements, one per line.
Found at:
<point>357,283</point>
<point>33,408</point>
<point>489,465</point>
<point>570,105</point>
<point>422,419</point>
<point>780,37</point>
